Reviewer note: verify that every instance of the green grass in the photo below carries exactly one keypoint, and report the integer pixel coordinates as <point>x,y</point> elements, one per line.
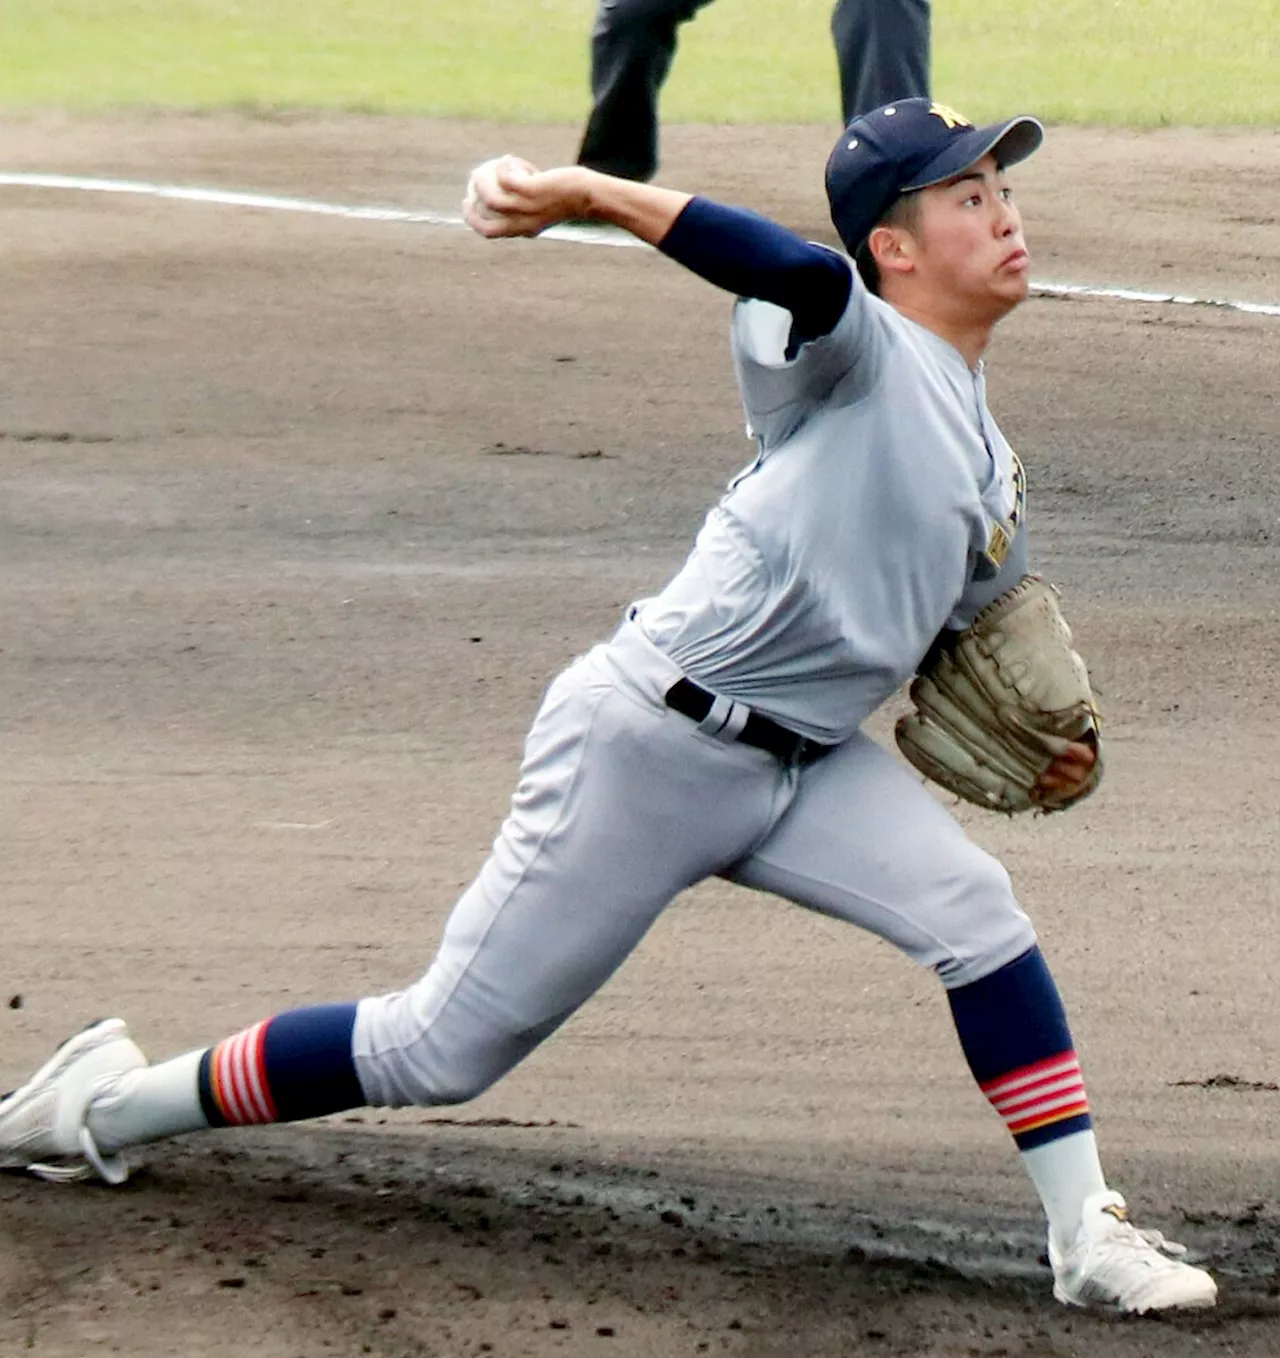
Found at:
<point>1142,62</point>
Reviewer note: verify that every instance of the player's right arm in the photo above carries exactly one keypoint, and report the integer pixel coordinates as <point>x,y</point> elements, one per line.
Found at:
<point>739,251</point>
<point>510,197</point>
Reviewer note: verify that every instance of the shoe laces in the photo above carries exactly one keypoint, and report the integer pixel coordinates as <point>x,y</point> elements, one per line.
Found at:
<point>1125,1235</point>
<point>1158,1241</point>
<point>112,1169</point>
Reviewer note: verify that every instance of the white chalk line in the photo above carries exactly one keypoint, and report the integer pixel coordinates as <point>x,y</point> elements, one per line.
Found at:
<point>224,198</point>
<point>581,235</point>
<point>1133,295</point>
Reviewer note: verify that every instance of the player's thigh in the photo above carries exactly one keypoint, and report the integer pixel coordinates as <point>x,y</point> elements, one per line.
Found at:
<point>863,840</point>
<point>621,805</point>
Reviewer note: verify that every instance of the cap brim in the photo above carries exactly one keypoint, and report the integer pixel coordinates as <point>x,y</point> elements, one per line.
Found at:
<point>1009,142</point>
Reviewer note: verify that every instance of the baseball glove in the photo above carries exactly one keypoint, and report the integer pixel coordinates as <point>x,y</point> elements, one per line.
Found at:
<point>998,702</point>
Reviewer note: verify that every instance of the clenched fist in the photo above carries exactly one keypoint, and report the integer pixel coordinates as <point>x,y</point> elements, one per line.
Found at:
<point>508,196</point>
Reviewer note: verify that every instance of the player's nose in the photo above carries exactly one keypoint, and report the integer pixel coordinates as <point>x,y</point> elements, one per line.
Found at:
<point>1008,218</point>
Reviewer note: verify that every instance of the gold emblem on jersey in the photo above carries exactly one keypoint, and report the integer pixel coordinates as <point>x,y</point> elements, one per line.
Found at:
<point>1002,532</point>
<point>949,116</point>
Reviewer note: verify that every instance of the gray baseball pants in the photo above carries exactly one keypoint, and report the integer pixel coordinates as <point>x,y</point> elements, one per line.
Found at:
<point>622,804</point>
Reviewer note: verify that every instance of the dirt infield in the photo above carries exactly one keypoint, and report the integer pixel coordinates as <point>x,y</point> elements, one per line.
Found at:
<point>297,517</point>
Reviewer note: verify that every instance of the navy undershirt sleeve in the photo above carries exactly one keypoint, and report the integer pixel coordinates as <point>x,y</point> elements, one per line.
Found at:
<point>750,256</point>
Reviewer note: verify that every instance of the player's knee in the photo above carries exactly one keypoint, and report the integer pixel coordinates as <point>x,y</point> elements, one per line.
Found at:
<point>409,1055</point>
<point>988,926</point>
<point>416,1076</point>
<point>445,1087</point>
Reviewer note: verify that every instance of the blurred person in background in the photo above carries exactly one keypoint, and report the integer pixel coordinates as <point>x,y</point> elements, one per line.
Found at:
<point>882,49</point>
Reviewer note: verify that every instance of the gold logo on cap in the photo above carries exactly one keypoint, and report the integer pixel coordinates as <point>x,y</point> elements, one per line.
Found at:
<point>949,116</point>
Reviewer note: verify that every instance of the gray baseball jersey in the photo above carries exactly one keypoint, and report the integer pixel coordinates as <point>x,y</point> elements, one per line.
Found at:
<point>883,504</point>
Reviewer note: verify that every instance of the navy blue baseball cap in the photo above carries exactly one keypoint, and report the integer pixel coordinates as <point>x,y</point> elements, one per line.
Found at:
<point>909,145</point>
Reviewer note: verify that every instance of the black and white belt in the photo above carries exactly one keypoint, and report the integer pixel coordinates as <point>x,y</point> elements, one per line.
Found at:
<point>726,720</point>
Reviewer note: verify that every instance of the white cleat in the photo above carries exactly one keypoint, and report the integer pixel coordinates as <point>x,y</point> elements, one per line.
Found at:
<point>1112,1265</point>
<point>44,1125</point>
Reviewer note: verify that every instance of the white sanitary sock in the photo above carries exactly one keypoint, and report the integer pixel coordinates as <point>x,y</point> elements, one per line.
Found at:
<point>149,1104</point>
<point>1065,1173</point>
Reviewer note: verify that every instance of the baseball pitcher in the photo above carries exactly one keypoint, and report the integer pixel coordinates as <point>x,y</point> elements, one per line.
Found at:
<point>878,537</point>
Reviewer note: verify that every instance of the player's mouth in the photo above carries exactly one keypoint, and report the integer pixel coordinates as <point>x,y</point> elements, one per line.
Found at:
<point>1018,261</point>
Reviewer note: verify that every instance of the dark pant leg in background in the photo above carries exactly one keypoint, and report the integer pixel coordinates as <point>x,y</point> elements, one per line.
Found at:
<point>632,45</point>
<point>882,47</point>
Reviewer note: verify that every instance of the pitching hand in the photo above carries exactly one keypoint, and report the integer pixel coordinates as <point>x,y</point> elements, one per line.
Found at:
<point>510,197</point>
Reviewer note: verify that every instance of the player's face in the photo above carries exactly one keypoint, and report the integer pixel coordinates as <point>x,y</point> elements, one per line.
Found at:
<point>969,240</point>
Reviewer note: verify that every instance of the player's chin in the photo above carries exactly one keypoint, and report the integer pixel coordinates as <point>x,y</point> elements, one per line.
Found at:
<point>1008,290</point>
<point>1014,283</point>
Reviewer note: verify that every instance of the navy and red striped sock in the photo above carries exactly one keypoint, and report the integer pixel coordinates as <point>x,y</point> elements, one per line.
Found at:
<point>1014,1032</point>
<point>294,1066</point>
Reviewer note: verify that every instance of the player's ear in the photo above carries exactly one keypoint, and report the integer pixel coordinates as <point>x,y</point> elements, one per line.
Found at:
<point>893,249</point>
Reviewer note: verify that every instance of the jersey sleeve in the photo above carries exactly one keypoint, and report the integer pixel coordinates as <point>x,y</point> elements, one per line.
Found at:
<point>783,384</point>
<point>751,256</point>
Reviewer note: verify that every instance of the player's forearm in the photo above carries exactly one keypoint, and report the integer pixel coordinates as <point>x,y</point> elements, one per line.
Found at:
<point>645,210</point>
<point>510,197</point>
